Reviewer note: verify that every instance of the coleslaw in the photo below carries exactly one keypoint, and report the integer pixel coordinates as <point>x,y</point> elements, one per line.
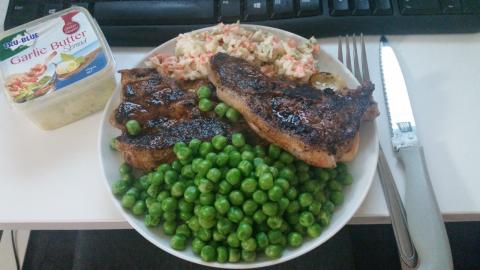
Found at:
<point>274,56</point>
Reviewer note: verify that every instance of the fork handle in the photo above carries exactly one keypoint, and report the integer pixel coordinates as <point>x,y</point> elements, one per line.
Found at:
<point>424,219</point>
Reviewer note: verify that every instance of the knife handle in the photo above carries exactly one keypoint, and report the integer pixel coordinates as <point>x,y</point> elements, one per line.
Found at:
<point>407,252</point>
<point>425,222</point>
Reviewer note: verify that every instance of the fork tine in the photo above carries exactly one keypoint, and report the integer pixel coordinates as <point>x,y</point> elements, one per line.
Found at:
<point>366,73</point>
<point>355,59</point>
<point>340,49</point>
<point>347,48</point>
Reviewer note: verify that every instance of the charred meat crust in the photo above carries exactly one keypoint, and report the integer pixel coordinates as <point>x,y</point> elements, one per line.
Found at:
<point>318,118</point>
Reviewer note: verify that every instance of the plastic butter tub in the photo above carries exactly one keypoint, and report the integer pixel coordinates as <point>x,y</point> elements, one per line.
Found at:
<point>57,69</point>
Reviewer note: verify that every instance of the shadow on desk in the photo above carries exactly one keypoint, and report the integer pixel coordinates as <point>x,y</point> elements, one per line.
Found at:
<point>354,247</point>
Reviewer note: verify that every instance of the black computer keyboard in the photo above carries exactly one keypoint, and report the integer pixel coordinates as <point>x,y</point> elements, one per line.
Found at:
<point>149,23</point>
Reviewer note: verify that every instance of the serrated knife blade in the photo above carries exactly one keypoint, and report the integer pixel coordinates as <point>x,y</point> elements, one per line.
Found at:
<point>399,109</point>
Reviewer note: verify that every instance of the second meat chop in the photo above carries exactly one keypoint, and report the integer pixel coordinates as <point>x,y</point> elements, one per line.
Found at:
<point>317,126</point>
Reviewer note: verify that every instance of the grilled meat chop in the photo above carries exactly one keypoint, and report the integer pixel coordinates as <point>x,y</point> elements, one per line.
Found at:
<point>167,115</point>
<point>317,126</point>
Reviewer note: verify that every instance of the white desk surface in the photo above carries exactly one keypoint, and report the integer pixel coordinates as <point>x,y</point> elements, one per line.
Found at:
<point>52,179</point>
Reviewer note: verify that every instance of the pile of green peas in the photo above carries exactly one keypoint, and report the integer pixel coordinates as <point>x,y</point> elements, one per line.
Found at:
<point>205,104</point>
<point>232,201</point>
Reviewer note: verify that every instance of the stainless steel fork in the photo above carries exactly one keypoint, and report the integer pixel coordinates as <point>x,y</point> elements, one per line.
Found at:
<point>407,252</point>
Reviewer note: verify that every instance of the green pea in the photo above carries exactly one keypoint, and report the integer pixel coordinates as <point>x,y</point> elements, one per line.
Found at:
<point>283,183</point>
<point>125,169</point>
<point>207,198</point>
<point>207,212</point>
<point>295,239</point>
<point>244,231</point>
<point>179,145</point>
<point>155,209</point>
<point>177,189</point>
<point>274,222</point>
<point>314,230</point>
<point>194,145</point>
<point>191,194</point>
<point>270,209</point>
<point>119,187</point>
<point>259,196</point>
<point>287,174</point>
<point>305,199</point>
<point>322,175</point>
<point>169,204</point>
<point>238,140</point>
<point>205,104</point>
<point>133,127</point>
<point>178,242</point>
<point>205,148</point>
<point>246,167</point>
<point>169,216</point>
<point>208,253</point>
<point>184,153</point>
<point>234,255</point>
<point>222,254</point>
<point>232,114</point>
<point>315,208</point>
<point>149,201</point>
<point>185,206</point>
<point>151,221</point>
<point>324,218</point>
<point>292,218</point>
<point>248,185</point>
<point>249,244</point>
<point>334,185</point>
<point>235,214</point>
<point>320,197</point>
<point>169,227</point>
<point>152,191</point>
<point>306,219</point>
<point>236,197</point>
<point>185,216</point>
<point>219,142</point>
<point>278,165</point>
<point>265,181</point>
<point>233,176</point>
<point>214,174</point>
<point>221,109</point>
<point>286,157</point>
<point>196,164</point>
<point>163,167</point>
<point>197,245</point>
<point>222,159</point>
<point>261,169</point>
<point>224,226</point>
<point>205,185</point>
<point>345,178</point>
<point>248,256</point>
<point>259,217</point>
<point>275,236</point>
<point>224,187</point>
<point>234,158</point>
<point>328,206</point>
<point>204,234</point>
<point>113,144</point>
<point>229,148</point>
<point>139,208</point>
<point>171,177</point>
<point>232,240</point>
<point>293,206</point>
<point>283,204</point>
<point>249,207</point>
<point>274,151</point>
<point>128,201</point>
<point>207,223</point>
<point>275,193</point>
<point>257,161</point>
<point>193,224</point>
<point>204,92</point>
<point>336,197</point>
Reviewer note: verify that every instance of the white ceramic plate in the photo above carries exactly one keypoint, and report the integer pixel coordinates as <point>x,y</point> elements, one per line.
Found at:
<point>362,169</point>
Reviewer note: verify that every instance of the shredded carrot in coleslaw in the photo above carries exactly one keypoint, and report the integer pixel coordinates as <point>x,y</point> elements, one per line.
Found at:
<point>273,55</point>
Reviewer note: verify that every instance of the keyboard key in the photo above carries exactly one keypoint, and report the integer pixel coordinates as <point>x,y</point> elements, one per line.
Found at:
<point>255,10</point>
<point>382,7</point>
<point>471,6</point>
<point>361,7</point>
<point>51,8</point>
<point>339,8</point>
<point>419,7</point>
<point>166,12</point>
<point>229,10</point>
<point>308,7</point>
<point>282,8</point>
<point>451,6</point>
<point>23,12</point>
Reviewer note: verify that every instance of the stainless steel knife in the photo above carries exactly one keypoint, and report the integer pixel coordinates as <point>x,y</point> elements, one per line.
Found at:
<point>425,222</point>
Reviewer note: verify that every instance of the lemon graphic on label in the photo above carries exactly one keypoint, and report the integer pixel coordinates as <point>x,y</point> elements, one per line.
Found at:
<point>66,67</point>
